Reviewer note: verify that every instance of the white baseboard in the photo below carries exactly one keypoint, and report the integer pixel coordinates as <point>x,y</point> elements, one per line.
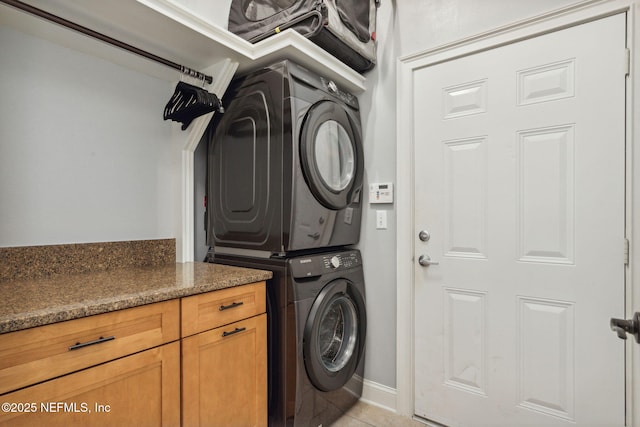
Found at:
<point>379,395</point>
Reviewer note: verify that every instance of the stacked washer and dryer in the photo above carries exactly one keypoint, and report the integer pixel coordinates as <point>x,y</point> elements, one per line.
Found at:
<point>285,169</point>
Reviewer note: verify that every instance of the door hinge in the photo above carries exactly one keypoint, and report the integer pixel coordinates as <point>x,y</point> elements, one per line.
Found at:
<point>626,251</point>
<point>627,62</point>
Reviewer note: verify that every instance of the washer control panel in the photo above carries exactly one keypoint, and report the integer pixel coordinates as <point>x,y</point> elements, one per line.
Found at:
<point>344,260</point>
<point>317,265</point>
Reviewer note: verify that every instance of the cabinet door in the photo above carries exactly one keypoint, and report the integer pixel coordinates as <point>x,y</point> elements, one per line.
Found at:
<point>139,390</point>
<point>224,374</point>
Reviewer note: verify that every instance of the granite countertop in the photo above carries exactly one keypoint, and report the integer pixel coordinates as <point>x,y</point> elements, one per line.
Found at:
<point>27,303</point>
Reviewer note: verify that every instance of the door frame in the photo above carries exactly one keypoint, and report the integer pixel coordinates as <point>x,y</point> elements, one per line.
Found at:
<point>578,13</point>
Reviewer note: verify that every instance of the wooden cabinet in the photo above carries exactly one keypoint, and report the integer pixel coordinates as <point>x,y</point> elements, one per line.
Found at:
<point>34,355</point>
<point>125,367</point>
<point>213,309</point>
<point>105,370</point>
<point>224,364</point>
<point>138,390</point>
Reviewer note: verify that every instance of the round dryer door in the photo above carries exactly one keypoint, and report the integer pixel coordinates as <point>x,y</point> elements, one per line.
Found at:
<point>334,335</point>
<point>331,154</point>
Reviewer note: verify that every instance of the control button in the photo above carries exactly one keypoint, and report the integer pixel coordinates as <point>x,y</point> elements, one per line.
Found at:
<point>335,262</point>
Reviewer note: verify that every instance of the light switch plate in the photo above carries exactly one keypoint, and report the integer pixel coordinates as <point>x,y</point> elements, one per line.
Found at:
<point>381,220</point>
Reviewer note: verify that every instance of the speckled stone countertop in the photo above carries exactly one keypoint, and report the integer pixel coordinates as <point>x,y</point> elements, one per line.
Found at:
<point>38,262</point>
<point>26,303</point>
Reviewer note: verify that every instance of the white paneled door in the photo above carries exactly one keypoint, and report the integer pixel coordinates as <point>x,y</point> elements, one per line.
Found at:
<point>520,188</point>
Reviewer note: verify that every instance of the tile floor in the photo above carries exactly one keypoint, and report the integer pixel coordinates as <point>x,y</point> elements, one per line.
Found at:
<point>365,415</point>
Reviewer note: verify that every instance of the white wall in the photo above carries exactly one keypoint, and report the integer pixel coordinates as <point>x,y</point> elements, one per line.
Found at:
<point>85,155</point>
<point>378,247</point>
<point>214,12</point>
<point>430,23</point>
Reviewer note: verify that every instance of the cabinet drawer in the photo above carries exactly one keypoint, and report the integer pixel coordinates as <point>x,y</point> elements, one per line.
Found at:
<point>34,355</point>
<point>213,309</point>
<point>142,389</point>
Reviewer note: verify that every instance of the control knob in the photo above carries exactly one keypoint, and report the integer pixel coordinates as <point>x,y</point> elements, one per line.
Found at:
<point>335,262</point>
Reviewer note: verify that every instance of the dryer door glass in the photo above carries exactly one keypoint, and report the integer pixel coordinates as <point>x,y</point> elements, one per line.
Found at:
<point>331,154</point>
<point>334,155</point>
<point>338,333</point>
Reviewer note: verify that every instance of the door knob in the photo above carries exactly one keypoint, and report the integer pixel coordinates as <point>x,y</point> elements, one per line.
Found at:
<point>623,327</point>
<point>425,261</point>
<point>424,235</point>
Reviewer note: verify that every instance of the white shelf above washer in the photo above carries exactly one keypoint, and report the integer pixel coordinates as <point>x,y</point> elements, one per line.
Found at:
<point>166,29</point>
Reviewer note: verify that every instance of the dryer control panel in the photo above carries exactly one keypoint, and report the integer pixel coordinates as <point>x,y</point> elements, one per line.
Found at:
<point>346,97</point>
<point>317,265</point>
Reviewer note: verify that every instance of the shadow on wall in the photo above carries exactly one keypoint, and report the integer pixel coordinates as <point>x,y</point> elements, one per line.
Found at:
<point>378,113</point>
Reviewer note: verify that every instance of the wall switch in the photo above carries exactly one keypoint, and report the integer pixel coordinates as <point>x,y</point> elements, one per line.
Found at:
<point>381,220</point>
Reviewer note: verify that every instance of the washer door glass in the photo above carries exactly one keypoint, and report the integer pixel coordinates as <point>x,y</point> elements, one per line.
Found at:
<point>334,155</point>
<point>334,334</point>
<point>338,333</point>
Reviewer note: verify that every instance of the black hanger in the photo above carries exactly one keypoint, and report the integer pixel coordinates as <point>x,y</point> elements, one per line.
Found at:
<point>188,102</point>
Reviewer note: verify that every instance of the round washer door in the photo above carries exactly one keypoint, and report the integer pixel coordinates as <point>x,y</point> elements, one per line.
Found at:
<point>331,154</point>
<point>334,335</point>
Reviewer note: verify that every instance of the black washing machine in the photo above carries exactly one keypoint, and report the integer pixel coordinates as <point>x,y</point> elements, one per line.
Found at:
<point>317,324</point>
<point>285,164</point>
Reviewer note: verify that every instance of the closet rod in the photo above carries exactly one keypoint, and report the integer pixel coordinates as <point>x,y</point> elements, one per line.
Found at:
<point>89,32</point>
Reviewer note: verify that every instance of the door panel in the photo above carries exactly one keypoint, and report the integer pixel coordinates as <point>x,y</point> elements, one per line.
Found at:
<point>519,179</point>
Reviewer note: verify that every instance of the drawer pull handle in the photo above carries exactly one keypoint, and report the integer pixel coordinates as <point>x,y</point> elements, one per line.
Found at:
<point>79,345</point>
<point>232,305</point>
<point>235,331</point>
